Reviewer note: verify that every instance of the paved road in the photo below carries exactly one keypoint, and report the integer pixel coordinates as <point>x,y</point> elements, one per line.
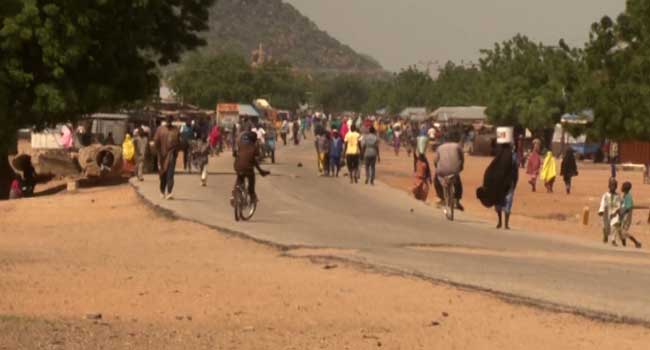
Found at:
<point>384,227</point>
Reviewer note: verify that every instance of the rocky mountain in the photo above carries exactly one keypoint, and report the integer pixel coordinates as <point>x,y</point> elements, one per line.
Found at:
<point>284,34</point>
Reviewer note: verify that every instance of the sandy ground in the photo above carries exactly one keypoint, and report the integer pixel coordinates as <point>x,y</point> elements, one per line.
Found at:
<point>554,213</point>
<point>160,283</point>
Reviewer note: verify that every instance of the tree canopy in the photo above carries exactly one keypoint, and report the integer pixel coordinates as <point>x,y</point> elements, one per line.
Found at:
<point>527,83</point>
<point>342,93</point>
<point>618,85</point>
<point>62,59</point>
<point>457,85</point>
<point>206,80</point>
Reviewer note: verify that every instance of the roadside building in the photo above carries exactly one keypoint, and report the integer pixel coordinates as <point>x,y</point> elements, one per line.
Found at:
<point>414,113</point>
<point>467,116</point>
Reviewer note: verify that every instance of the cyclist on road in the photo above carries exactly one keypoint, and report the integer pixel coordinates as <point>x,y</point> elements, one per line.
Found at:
<point>246,161</point>
<point>450,161</point>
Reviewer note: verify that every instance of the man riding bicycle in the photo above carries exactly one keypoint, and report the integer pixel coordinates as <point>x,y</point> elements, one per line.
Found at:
<point>449,163</point>
<point>246,161</point>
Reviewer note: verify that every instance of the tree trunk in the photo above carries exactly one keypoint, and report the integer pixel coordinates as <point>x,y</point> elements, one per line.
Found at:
<point>6,175</point>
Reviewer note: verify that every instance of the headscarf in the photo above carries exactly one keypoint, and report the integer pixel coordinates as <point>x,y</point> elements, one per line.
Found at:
<point>548,169</point>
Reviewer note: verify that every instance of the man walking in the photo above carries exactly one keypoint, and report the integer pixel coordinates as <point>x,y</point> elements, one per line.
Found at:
<point>323,145</point>
<point>141,142</point>
<point>166,143</point>
<point>284,130</point>
<point>295,130</point>
<point>187,135</point>
<point>370,145</point>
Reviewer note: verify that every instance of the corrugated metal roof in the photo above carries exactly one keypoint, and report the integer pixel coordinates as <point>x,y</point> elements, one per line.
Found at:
<point>585,117</point>
<point>460,113</point>
<point>248,111</point>
<point>109,116</point>
<point>411,111</point>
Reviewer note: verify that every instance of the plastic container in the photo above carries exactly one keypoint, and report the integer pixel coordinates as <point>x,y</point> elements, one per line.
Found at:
<point>505,134</point>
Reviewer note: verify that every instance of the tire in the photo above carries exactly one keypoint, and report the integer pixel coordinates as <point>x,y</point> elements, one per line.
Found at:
<point>451,201</point>
<point>247,211</point>
<point>237,205</point>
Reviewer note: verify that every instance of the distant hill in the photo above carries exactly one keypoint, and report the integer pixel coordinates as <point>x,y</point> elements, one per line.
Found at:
<point>285,34</point>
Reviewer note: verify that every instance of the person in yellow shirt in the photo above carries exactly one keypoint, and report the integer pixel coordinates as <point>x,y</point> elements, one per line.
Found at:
<point>548,172</point>
<point>353,153</point>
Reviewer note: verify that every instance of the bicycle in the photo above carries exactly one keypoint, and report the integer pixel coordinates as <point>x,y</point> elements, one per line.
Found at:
<point>449,193</point>
<point>243,204</point>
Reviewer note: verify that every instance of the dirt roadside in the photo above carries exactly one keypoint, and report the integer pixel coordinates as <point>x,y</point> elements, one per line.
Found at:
<point>169,284</point>
<point>552,213</point>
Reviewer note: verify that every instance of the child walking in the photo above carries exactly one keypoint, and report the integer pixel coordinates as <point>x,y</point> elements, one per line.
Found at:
<point>627,207</point>
<point>569,169</point>
<point>610,204</point>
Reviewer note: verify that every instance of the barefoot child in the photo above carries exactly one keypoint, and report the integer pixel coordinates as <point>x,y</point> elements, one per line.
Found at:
<point>609,210</point>
<point>626,215</point>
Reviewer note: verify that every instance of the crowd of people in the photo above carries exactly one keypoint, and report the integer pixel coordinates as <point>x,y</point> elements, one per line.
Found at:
<point>501,177</point>
<point>354,143</point>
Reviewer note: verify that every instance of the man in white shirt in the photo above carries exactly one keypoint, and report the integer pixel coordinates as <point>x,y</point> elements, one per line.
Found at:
<point>431,133</point>
<point>261,133</point>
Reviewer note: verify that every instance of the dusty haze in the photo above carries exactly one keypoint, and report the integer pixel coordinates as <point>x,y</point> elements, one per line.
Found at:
<point>400,33</point>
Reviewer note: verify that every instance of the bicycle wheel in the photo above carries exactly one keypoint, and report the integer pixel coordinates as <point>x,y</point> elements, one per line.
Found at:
<point>248,206</point>
<point>237,203</point>
<point>445,199</point>
<point>451,199</point>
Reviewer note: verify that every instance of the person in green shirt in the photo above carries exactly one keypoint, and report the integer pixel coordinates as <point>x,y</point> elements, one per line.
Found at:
<point>627,206</point>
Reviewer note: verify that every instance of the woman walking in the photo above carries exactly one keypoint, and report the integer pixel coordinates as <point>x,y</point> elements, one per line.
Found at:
<point>499,184</point>
<point>423,178</point>
<point>568,169</point>
<point>548,172</point>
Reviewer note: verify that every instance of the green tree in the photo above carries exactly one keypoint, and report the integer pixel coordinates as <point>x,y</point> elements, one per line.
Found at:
<point>618,64</point>
<point>457,85</point>
<point>226,78</point>
<point>206,81</point>
<point>410,88</point>
<point>62,59</point>
<point>529,84</point>
<point>278,82</point>
<point>378,95</point>
<point>343,93</point>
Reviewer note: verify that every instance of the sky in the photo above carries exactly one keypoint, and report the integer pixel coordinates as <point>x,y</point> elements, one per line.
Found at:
<point>399,33</point>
